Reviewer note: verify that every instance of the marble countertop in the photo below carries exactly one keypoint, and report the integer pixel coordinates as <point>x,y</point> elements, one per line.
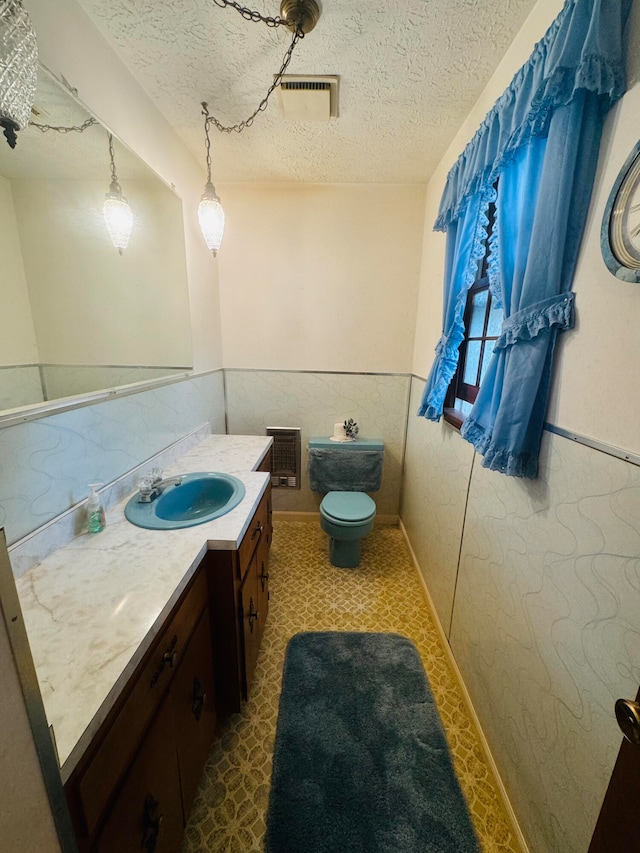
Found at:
<point>93,607</point>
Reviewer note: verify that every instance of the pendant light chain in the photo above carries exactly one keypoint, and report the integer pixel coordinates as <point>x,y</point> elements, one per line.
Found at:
<point>115,186</point>
<point>302,16</point>
<point>207,141</point>
<point>80,128</point>
<point>249,15</point>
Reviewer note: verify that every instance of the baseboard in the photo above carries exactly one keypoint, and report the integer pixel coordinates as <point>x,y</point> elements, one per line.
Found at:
<point>279,515</point>
<point>515,826</point>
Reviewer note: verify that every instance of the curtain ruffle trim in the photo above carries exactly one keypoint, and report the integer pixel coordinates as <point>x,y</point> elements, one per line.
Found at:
<point>493,267</point>
<point>444,368</point>
<point>524,110</point>
<point>446,361</point>
<point>499,459</point>
<point>555,312</point>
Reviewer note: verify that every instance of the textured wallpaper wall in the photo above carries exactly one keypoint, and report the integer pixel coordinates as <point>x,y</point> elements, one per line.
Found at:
<point>314,402</point>
<point>546,630</point>
<point>546,613</point>
<point>436,480</point>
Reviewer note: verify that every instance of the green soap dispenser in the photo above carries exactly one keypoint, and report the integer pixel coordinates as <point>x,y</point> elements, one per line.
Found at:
<point>95,510</point>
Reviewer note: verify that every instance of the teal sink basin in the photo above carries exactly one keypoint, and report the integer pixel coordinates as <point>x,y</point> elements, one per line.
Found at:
<point>199,498</point>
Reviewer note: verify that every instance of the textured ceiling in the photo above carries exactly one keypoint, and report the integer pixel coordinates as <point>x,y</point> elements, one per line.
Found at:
<point>410,70</point>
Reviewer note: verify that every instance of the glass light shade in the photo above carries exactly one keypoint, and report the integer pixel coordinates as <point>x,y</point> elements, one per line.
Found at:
<point>18,68</point>
<point>118,218</point>
<point>211,218</point>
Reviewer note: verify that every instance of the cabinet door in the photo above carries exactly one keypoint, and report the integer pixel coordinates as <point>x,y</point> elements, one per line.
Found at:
<point>147,813</point>
<point>262,576</point>
<point>193,696</point>
<point>250,618</point>
<point>117,744</point>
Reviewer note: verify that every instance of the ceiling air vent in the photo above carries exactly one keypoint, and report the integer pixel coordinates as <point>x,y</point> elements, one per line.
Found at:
<point>308,98</point>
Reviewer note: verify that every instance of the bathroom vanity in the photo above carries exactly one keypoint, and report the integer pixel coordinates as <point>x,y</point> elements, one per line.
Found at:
<point>132,774</point>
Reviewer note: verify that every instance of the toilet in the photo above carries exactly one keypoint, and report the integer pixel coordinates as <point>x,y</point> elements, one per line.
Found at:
<point>344,472</point>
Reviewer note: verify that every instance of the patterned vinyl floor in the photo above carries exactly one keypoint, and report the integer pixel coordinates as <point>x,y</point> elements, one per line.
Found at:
<point>309,594</point>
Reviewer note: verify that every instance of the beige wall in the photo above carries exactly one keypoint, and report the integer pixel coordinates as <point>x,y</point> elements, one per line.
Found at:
<point>70,46</point>
<point>320,277</point>
<point>17,338</point>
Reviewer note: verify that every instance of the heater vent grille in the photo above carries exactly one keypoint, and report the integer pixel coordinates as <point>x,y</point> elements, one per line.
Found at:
<point>306,85</point>
<point>285,457</point>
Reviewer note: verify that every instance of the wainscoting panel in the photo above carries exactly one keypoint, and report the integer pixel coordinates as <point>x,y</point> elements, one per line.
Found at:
<point>546,630</point>
<point>437,470</point>
<point>45,464</point>
<point>257,399</point>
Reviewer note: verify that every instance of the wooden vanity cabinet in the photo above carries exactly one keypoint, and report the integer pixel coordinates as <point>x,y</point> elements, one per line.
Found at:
<point>265,465</point>
<point>239,590</point>
<point>147,814</point>
<point>193,697</point>
<point>134,785</point>
<point>153,804</point>
<point>138,777</point>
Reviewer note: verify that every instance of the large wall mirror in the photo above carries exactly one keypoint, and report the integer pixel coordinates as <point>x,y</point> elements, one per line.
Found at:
<point>77,316</point>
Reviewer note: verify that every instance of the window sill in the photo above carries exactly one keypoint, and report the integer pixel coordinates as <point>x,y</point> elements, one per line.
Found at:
<point>454,418</point>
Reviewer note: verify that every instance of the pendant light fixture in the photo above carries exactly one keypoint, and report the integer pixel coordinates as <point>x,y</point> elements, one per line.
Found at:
<point>210,212</point>
<point>117,213</point>
<point>18,68</point>
<point>299,16</point>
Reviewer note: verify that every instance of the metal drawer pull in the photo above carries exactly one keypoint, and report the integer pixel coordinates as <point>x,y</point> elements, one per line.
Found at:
<point>151,824</point>
<point>264,577</point>
<point>199,699</point>
<point>253,615</point>
<point>258,530</point>
<point>170,657</point>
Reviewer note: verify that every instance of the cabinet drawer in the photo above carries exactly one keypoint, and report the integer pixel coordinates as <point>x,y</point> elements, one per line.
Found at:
<point>149,685</point>
<point>257,529</point>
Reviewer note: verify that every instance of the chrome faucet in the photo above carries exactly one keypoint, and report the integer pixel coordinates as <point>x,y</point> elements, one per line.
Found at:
<point>153,485</point>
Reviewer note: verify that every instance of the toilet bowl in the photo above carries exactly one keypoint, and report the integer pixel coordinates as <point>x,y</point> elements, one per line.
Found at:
<point>345,472</point>
<point>346,517</point>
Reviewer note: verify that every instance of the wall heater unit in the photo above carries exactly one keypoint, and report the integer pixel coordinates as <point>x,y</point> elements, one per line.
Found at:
<point>285,457</point>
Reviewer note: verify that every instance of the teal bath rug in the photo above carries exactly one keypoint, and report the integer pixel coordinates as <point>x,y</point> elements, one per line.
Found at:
<point>361,764</point>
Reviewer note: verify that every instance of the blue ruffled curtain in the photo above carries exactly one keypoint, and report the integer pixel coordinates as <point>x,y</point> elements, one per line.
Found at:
<point>540,141</point>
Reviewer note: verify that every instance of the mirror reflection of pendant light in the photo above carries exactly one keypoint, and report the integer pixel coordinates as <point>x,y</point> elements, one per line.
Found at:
<point>300,17</point>
<point>18,68</point>
<point>117,213</point>
<point>210,212</point>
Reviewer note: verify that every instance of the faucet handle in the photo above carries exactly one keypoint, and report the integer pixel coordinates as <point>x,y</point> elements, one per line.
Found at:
<point>156,475</point>
<point>145,487</point>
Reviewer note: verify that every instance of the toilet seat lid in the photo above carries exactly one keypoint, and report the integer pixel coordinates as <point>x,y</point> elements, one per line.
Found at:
<point>348,506</point>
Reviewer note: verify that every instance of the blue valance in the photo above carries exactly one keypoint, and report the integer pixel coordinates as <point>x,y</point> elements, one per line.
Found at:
<point>581,51</point>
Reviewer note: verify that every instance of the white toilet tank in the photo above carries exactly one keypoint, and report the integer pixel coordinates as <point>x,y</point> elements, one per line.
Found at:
<point>346,466</point>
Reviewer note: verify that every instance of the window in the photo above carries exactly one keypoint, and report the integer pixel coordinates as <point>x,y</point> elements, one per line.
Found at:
<point>482,325</point>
